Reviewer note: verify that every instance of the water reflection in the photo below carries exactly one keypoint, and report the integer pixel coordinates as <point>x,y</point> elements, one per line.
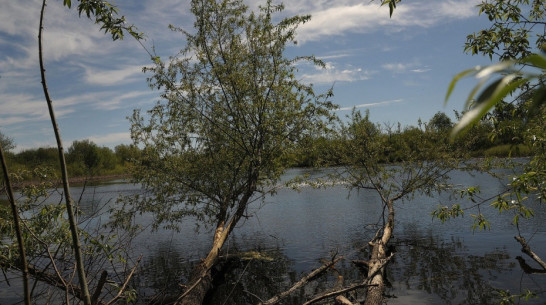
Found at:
<point>435,263</point>
<point>427,269</point>
<point>444,268</point>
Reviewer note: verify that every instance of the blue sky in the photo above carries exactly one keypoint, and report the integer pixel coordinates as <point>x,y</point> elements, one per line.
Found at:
<point>398,68</point>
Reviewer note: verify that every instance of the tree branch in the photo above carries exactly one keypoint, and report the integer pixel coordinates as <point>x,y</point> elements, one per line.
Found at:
<point>301,282</point>
<point>349,288</point>
<point>527,250</point>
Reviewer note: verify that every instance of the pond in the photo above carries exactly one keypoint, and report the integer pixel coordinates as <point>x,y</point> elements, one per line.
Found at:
<point>434,262</point>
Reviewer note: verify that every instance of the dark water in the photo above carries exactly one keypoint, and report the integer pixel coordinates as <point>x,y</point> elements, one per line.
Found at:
<point>435,263</point>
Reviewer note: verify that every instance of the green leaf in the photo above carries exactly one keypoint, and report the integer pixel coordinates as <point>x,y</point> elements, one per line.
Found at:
<point>489,97</point>
<point>67,3</point>
<point>457,78</point>
<point>536,60</point>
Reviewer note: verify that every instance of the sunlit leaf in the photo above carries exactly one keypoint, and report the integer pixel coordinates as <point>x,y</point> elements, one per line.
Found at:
<point>457,78</point>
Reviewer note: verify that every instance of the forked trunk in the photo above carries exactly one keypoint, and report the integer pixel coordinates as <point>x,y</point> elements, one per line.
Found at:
<point>201,280</point>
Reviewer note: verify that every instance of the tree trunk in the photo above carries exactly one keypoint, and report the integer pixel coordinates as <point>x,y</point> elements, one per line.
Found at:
<point>18,231</point>
<point>201,279</point>
<point>376,265</point>
<point>80,268</point>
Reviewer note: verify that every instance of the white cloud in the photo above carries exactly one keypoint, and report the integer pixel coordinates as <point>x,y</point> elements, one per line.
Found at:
<point>122,75</point>
<point>420,70</point>
<point>342,17</point>
<point>116,101</point>
<point>332,74</point>
<point>18,108</point>
<point>368,105</point>
<point>111,138</point>
<point>396,67</point>
<point>405,67</point>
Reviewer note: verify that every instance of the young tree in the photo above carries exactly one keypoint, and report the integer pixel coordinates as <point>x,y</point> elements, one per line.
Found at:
<point>23,263</point>
<point>106,15</point>
<point>424,170</point>
<point>232,111</point>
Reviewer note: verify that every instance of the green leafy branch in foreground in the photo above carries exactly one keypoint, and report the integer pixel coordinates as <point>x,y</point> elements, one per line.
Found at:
<point>511,79</point>
<point>106,14</point>
<point>506,297</point>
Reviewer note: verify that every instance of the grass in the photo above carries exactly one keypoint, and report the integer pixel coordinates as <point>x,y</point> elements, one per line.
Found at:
<point>507,150</point>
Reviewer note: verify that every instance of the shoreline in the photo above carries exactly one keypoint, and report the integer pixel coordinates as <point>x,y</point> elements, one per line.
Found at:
<point>79,180</point>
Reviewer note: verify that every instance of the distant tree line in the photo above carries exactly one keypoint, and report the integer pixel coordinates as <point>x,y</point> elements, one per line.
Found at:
<point>84,158</point>
<point>497,134</point>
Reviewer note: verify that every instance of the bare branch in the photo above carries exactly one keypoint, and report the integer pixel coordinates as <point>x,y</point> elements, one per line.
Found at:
<point>301,282</point>
<point>525,248</point>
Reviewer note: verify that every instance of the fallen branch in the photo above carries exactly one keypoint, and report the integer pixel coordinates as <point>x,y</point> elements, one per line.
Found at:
<point>527,250</point>
<point>301,282</point>
<point>349,288</point>
<point>341,300</point>
<point>526,268</point>
<point>338,292</point>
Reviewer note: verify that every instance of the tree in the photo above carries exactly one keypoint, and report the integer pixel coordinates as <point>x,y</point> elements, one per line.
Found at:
<point>440,122</point>
<point>126,154</point>
<point>106,15</point>
<point>6,143</point>
<point>22,260</point>
<point>232,111</point>
<point>423,169</point>
<point>508,39</point>
<point>86,155</point>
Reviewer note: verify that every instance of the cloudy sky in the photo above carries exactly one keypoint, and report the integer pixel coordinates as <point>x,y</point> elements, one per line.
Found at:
<point>398,68</point>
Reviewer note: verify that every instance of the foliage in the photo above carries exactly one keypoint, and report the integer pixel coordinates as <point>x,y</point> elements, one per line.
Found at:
<point>391,4</point>
<point>106,14</point>
<point>126,154</point>
<point>514,23</point>
<point>440,122</point>
<point>510,81</point>
<point>232,111</point>
<point>47,237</point>
<point>423,167</point>
<point>6,142</point>
<point>84,154</point>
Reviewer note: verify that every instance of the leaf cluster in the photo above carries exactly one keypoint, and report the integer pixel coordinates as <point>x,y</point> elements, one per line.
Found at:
<point>106,14</point>
<point>513,25</point>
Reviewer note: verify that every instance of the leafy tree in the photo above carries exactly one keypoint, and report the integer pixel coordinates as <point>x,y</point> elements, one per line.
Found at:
<point>508,38</point>
<point>106,15</point>
<point>424,170</point>
<point>22,257</point>
<point>440,122</point>
<point>520,72</point>
<point>85,155</point>
<point>6,142</point>
<point>126,154</point>
<point>232,111</point>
